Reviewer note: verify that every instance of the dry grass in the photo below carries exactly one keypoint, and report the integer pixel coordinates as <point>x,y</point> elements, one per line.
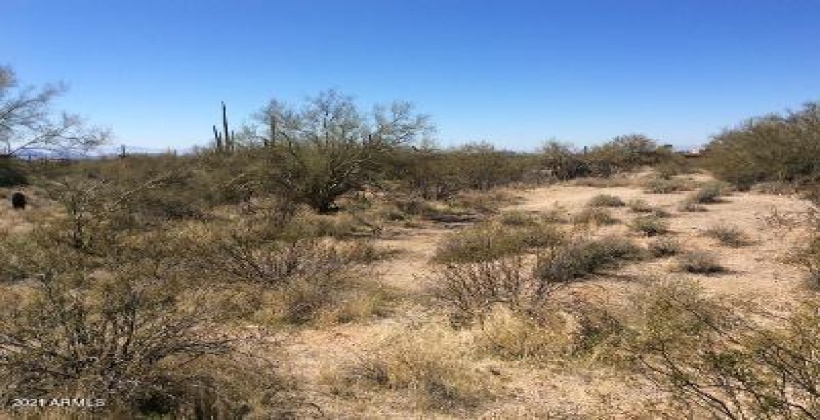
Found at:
<point>594,216</point>
<point>699,262</point>
<point>728,236</point>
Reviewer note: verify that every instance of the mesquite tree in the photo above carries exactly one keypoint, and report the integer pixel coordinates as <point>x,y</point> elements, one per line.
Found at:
<point>329,146</point>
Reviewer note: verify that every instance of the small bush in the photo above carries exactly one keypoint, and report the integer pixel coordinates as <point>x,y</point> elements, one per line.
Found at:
<point>583,257</point>
<point>664,247</point>
<point>488,242</point>
<point>709,193</point>
<point>470,290</point>
<point>659,185</point>
<point>728,236</point>
<point>594,216</point>
<point>639,206</point>
<point>699,262</point>
<point>605,200</point>
<point>650,225</point>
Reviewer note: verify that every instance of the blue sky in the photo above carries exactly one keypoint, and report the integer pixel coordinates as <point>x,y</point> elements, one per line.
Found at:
<point>514,73</point>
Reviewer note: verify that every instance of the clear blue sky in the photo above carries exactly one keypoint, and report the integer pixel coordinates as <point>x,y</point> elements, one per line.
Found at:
<point>511,72</point>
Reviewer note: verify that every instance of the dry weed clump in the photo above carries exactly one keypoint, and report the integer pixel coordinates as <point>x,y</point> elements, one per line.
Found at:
<point>728,236</point>
<point>710,193</point>
<point>605,200</point>
<point>660,185</point>
<point>639,205</point>
<point>690,205</point>
<point>518,336</point>
<point>433,365</point>
<point>584,257</point>
<point>594,216</point>
<point>490,241</point>
<point>699,262</point>
<point>650,225</point>
<point>664,247</point>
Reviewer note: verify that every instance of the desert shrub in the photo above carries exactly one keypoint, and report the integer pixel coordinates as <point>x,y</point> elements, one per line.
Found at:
<point>807,256</point>
<point>699,262</point>
<point>664,247</point>
<point>583,257</point>
<point>639,206</point>
<point>715,362</point>
<point>709,193</point>
<point>489,241</point>
<point>605,200</point>
<point>517,218</point>
<point>660,185</point>
<point>512,335</point>
<point>432,365</point>
<point>770,148</point>
<point>469,291</point>
<point>650,225</point>
<point>562,162</point>
<point>11,173</point>
<point>625,153</point>
<point>134,335</point>
<point>728,236</point>
<point>594,216</point>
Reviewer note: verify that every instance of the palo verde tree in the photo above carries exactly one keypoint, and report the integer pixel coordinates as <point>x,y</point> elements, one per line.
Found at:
<point>27,121</point>
<point>329,146</point>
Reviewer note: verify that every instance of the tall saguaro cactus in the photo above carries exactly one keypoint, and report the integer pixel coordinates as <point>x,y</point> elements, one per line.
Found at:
<point>224,139</point>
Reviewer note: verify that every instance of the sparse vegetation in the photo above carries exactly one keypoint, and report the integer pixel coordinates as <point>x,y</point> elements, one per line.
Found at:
<point>594,216</point>
<point>605,200</point>
<point>650,225</point>
<point>664,246</point>
<point>699,262</point>
<point>728,236</point>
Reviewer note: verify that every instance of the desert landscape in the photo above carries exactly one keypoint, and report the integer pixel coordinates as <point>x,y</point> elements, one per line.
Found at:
<point>577,210</point>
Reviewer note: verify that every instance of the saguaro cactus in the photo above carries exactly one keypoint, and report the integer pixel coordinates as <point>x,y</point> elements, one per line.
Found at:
<point>224,139</point>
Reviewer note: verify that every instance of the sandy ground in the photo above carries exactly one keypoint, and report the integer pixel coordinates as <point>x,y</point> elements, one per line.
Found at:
<point>755,271</point>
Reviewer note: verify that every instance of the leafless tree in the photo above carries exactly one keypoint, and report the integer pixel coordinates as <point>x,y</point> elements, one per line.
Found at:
<point>27,121</point>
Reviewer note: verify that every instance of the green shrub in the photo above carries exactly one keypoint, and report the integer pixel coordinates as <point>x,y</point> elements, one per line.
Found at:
<point>728,236</point>
<point>650,225</point>
<point>605,200</point>
<point>699,262</point>
<point>782,148</point>
<point>664,247</point>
